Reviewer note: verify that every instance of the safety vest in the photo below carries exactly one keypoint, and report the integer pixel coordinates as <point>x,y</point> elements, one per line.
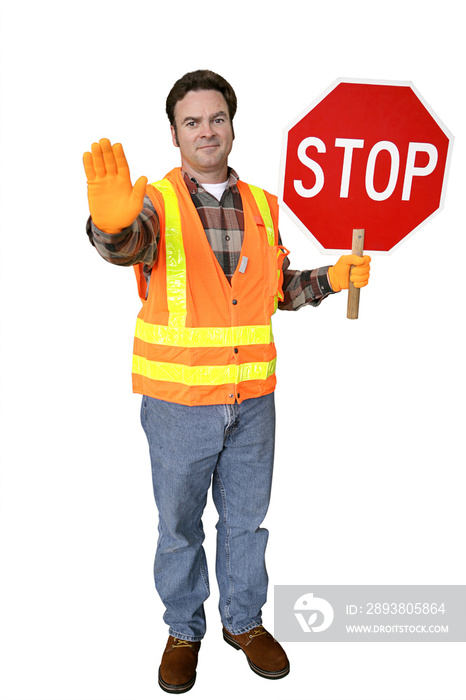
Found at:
<point>200,340</point>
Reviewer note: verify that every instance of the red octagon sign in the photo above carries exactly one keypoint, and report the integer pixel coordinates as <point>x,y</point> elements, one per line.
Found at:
<point>365,155</point>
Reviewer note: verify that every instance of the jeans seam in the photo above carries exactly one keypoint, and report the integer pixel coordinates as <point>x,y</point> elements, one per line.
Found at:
<point>227,548</point>
<point>202,567</point>
<point>143,412</point>
<point>232,422</point>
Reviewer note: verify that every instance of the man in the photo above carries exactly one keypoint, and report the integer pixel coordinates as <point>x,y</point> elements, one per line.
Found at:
<point>211,271</point>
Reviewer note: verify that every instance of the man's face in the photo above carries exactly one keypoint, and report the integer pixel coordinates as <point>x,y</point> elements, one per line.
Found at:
<point>204,135</point>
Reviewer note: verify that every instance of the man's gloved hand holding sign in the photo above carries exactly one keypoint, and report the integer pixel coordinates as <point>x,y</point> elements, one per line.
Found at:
<point>350,267</point>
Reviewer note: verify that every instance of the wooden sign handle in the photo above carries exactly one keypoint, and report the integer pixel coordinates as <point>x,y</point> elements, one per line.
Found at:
<point>353,292</point>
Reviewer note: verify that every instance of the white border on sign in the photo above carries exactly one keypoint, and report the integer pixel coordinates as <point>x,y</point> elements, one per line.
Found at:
<point>363,81</point>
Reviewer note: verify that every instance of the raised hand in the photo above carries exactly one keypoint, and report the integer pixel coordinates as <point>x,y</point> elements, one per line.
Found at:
<point>113,201</point>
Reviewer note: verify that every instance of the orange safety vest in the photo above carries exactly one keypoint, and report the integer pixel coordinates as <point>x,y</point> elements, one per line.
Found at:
<point>200,340</point>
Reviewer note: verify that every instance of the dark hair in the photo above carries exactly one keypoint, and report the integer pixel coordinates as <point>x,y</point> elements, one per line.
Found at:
<point>200,80</point>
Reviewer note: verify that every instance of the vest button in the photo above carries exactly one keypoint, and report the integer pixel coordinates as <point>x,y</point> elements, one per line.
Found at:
<point>235,301</point>
<point>236,350</point>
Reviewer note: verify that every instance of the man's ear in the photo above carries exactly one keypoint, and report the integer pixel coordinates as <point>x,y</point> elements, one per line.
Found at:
<point>174,137</point>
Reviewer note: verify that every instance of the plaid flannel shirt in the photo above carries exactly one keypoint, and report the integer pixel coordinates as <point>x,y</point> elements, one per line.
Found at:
<point>223,222</point>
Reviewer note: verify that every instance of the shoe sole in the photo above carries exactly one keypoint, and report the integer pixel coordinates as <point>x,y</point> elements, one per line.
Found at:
<point>176,689</point>
<point>273,675</point>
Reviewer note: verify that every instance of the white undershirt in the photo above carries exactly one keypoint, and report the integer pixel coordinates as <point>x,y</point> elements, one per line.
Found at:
<point>216,189</point>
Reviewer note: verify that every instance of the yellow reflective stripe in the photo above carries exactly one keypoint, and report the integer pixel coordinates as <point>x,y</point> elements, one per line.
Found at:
<point>263,206</point>
<point>264,209</point>
<point>176,258</point>
<point>202,375</point>
<point>203,337</point>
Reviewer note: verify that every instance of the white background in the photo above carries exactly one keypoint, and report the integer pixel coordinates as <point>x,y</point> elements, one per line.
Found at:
<point>368,481</point>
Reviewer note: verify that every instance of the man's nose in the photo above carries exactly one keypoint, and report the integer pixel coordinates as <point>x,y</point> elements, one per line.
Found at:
<point>206,129</point>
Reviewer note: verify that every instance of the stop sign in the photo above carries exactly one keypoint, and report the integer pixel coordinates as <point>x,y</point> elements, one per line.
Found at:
<point>366,155</point>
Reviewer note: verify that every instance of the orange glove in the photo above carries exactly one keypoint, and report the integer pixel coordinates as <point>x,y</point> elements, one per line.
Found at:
<point>113,202</point>
<point>341,273</point>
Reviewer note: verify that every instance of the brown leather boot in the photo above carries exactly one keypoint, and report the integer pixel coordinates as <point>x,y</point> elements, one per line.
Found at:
<point>177,672</point>
<point>265,655</point>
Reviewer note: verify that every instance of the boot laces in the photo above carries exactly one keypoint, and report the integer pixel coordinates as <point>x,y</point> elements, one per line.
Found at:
<point>180,643</point>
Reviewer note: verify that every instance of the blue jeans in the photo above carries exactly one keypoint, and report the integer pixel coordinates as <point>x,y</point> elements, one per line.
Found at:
<point>230,446</point>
